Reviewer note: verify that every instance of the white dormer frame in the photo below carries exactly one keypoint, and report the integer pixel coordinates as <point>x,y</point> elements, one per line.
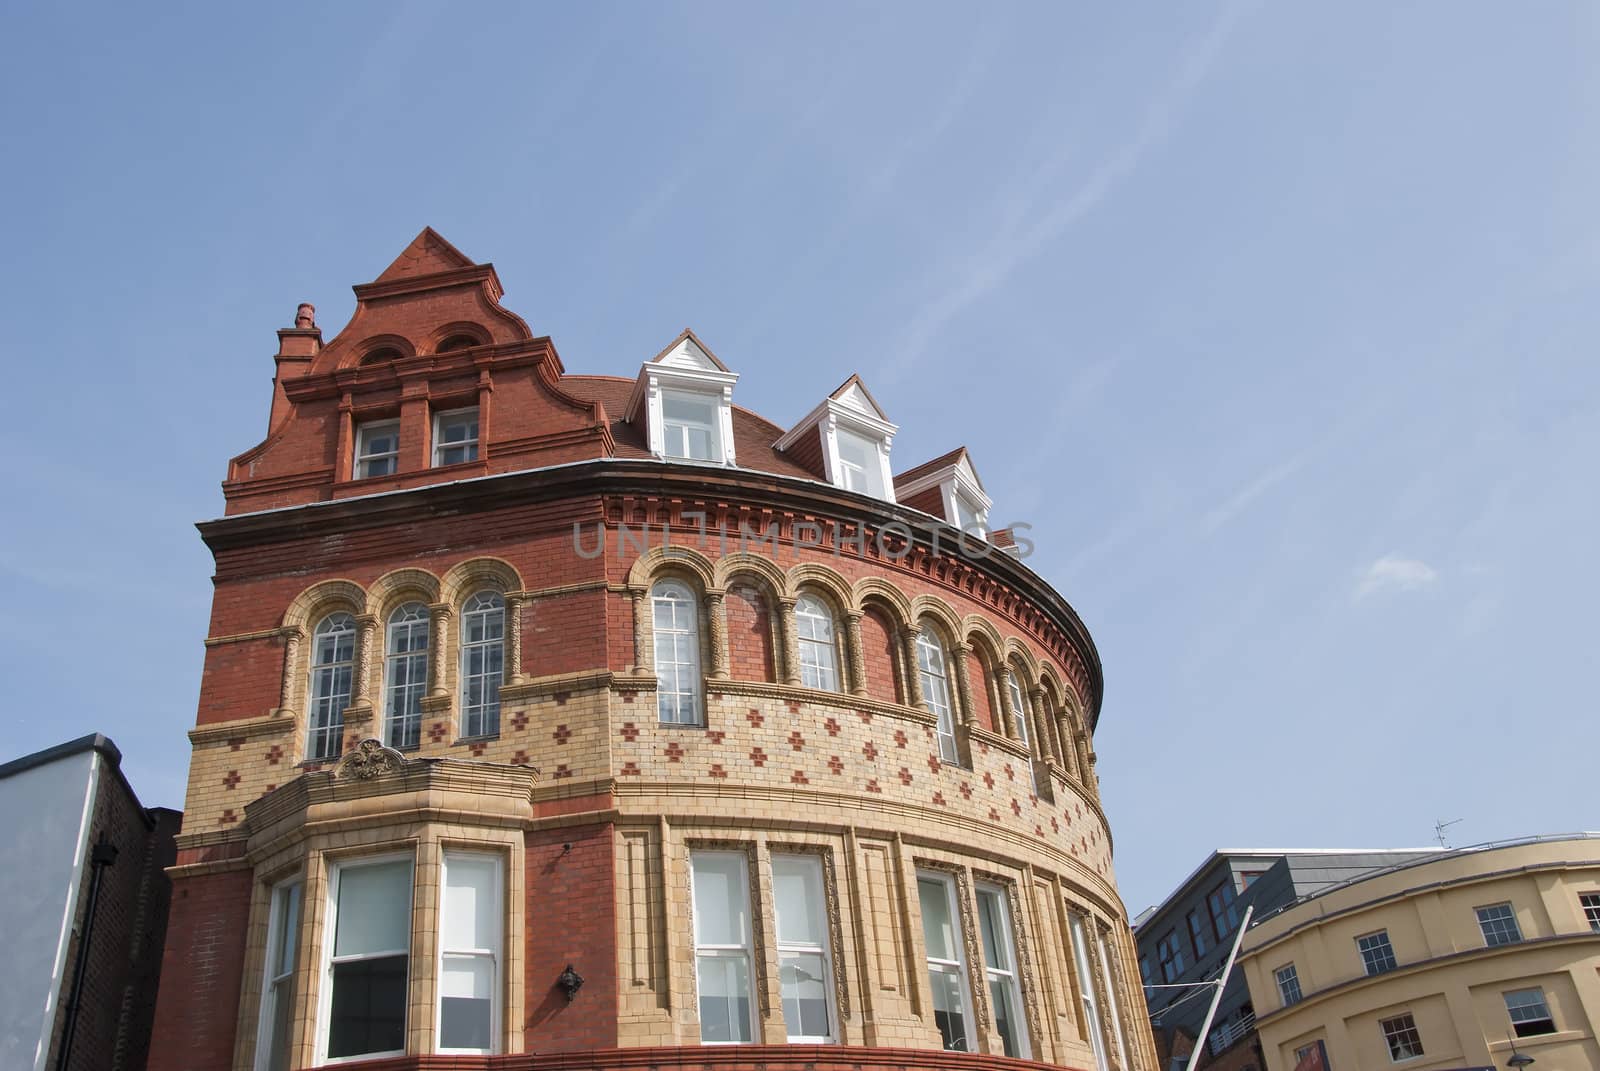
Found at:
<point>852,410</point>
<point>958,479</point>
<point>686,367</point>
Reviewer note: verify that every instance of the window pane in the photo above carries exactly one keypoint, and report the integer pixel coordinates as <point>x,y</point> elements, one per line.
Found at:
<point>281,997</point>
<point>1005,1015</point>
<point>938,930</point>
<point>368,1007</point>
<point>466,1003</point>
<point>797,891</point>
<point>470,917</point>
<point>720,905</point>
<point>374,912</point>
<point>859,459</point>
<point>286,929</point>
<point>995,953</point>
<point>949,1009</point>
<point>724,998</point>
<point>804,979</point>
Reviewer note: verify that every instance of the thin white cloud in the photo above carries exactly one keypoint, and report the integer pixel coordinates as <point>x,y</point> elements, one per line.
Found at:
<point>1031,226</point>
<point>1226,511</point>
<point>1394,573</point>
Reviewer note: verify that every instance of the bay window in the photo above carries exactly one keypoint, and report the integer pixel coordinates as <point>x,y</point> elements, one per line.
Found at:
<point>368,960</point>
<point>720,893</point>
<point>277,990</point>
<point>469,953</point>
<point>1086,991</point>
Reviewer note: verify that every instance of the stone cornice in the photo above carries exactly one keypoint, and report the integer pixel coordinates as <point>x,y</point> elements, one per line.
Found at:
<point>762,494</point>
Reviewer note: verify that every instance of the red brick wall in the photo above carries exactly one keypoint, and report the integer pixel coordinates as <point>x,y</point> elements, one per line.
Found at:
<point>750,656</point>
<point>878,653</point>
<point>571,918</point>
<point>199,998</point>
<point>983,710</point>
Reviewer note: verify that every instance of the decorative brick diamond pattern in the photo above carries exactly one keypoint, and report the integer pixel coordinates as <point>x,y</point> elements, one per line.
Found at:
<point>231,782</point>
<point>674,752</point>
<point>562,734</point>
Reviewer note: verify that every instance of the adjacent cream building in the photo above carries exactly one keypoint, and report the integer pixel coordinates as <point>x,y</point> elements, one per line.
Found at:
<point>1438,963</point>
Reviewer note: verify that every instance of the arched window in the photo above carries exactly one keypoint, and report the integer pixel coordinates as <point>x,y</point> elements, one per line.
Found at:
<point>382,355</point>
<point>819,652</point>
<point>405,675</point>
<point>676,619</point>
<point>931,663</point>
<point>1019,706</point>
<point>332,664</point>
<point>483,653</point>
<point>457,342</point>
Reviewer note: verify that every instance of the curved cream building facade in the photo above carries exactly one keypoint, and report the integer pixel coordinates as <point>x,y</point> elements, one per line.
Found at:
<point>1442,963</point>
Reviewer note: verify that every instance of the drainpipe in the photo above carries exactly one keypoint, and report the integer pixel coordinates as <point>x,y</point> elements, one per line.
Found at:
<point>104,855</point>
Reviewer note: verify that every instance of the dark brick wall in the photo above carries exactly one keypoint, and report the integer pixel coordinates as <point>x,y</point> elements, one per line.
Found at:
<point>750,655</point>
<point>198,1004</point>
<point>571,918</point>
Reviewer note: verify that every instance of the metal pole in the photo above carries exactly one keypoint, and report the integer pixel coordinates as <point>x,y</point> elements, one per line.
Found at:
<point>104,855</point>
<point>1222,983</point>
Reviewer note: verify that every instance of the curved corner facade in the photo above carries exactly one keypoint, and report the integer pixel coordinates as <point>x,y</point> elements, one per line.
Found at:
<point>1463,959</point>
<point>552,718</point>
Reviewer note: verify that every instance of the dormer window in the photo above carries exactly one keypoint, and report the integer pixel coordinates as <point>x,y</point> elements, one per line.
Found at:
<point>377,449</point>
<point>455,437</point>
<point>948,487</point>
<point>690,426</point>
<point>684,400</point>
<point>860,463</point>
<point>847,437</point>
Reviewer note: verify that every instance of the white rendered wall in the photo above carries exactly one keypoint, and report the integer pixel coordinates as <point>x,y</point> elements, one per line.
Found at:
<point>47,811</point>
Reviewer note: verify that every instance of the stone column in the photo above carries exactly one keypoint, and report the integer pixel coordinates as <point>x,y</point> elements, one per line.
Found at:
<point>439,638</point>
<point>854,653</point>
<point>643,659</point>
<point>514,603</point>
<point>913,677</point>
<point>366,633</point>
<point>964,684</point>
<point>291,671</point>
<point>717,613</point>
<point>1041,725</point>
<point>790,640</point>
<point>1064,734</point>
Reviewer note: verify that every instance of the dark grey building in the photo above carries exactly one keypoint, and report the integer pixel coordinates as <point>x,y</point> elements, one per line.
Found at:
<point>1186,939</point>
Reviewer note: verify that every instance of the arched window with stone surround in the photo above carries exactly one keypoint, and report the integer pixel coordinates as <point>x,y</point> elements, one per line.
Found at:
<point>1017,701</point>
<point>933,671</point>
<point>818,644</point>
<point>333,651</point>
<point>675,620</point>
<point>405,675</point>
<point>483,655</point>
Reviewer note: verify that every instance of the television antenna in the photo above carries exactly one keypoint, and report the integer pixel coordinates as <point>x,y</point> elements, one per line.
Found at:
<point>1440,825</point>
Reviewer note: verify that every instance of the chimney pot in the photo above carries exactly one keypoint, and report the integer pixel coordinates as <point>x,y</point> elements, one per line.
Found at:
<point>305,316</point>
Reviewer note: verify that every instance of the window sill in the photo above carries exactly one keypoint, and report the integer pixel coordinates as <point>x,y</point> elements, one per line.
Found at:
<point>481,738</point>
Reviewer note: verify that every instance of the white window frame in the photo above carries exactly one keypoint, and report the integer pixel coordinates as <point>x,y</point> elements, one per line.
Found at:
<point>473,611</point>
<point>1534,998</point>
<point>675,433</point>
<point>403,688</point>
<point>1382,959</point>
<point>1589,904</point>
<point>803,948</point>
<point>364,434</point>
<point>933,670</point>
<point>1008,978</point>
<point>743,950</point>
<point>871,477</point>
<point>1288,978</point>
<point>325,702</point>
<point>278,984</point>
<point>1087,990</point>
<point>1409,1026</point>
<point>687,678</point>
<point>819,654</point>
<point>330,930</point>
<point>470,445</point>
<point>1498,919</point>
<point>494,954</point>
<point>957,967</point>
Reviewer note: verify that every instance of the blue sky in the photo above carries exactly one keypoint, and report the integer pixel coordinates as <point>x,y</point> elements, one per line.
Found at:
<point>1279,325</point>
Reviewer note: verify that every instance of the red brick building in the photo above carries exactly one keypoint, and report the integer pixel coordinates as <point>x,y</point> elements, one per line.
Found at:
<point>559,721</point>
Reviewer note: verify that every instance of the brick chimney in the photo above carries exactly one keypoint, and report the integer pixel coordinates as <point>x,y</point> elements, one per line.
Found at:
<point>297,345</point>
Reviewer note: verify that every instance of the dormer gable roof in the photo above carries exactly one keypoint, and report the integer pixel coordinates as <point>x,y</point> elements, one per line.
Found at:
<point>937,470</point>
<point>686,361</point>
<point>853,394</point>
<point>851,402</point>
